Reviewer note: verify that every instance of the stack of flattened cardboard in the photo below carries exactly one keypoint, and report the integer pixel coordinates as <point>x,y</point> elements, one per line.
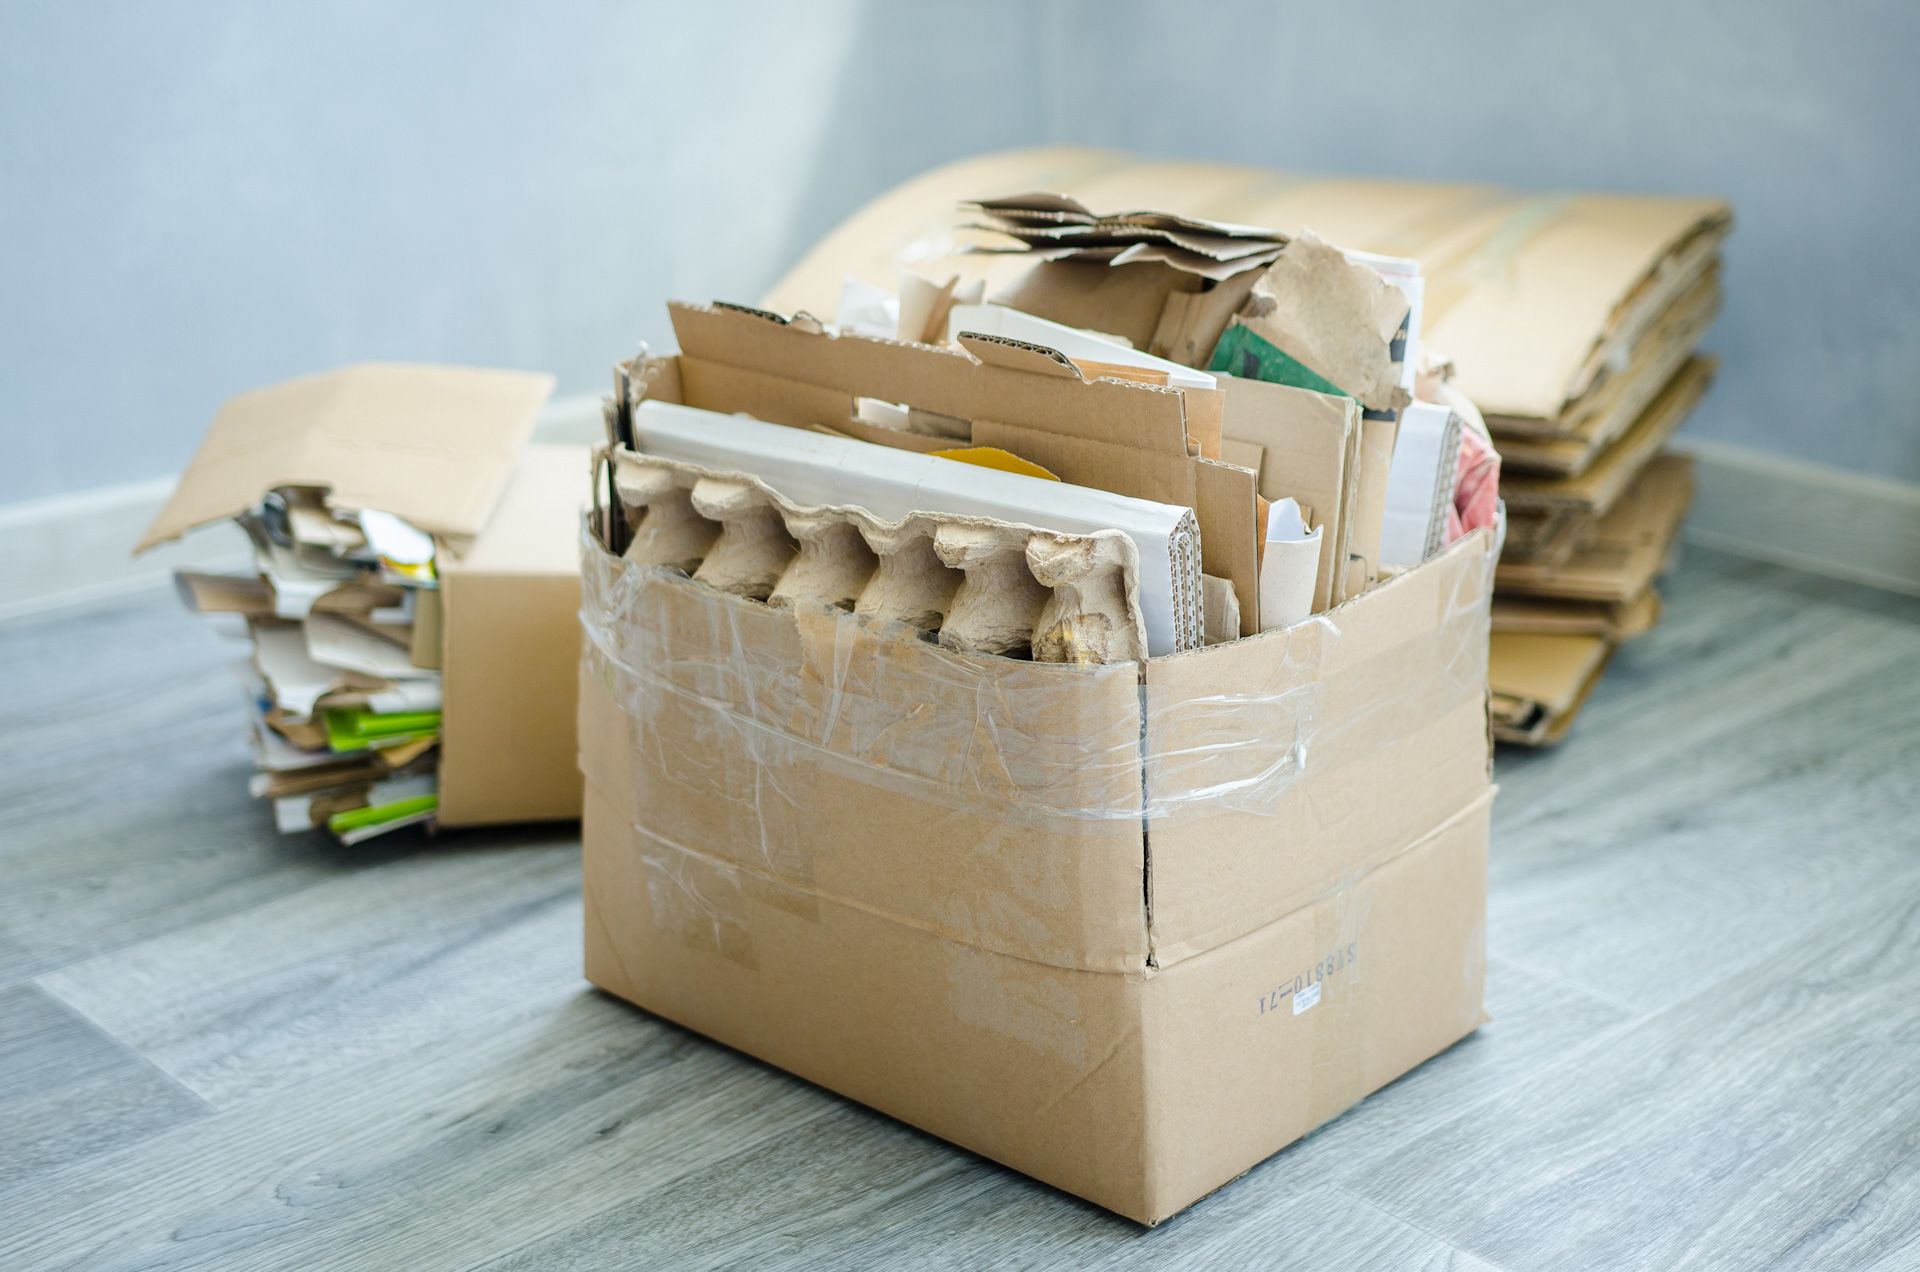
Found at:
<point>1571,320</point>
<point>411,558</point>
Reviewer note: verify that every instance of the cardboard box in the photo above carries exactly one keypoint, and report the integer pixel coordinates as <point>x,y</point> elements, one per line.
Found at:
<point>510,657</point>
<point>447,449</point>
<point>1538,298</point>
<point>1129,928</point>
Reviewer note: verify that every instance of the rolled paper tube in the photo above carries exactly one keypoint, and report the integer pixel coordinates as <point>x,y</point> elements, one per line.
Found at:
<point>753,548</point>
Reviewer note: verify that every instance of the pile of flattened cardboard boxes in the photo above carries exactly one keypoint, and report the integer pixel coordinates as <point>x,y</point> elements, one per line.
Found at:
<point>1570,320</point>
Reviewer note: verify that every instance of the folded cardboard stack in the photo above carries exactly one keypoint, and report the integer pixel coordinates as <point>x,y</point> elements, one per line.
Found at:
<point>953,668</point>
<point>1570,320</point>
<point>411,603</point>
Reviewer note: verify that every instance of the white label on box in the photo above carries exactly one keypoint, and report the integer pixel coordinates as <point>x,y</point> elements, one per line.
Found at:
<point>1306,998</point>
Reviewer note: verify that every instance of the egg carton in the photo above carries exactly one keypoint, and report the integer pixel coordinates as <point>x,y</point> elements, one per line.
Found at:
<point>972,583</point>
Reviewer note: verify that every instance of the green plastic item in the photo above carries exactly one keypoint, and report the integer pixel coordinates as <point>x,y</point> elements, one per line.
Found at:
<point>376,814</point>
<point>357,729</point>
<point>1253,357</point>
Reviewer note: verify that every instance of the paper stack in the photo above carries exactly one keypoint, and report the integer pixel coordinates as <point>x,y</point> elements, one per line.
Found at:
<point>345,683</point>
<point>352,526</point>
<point>1572,321</point>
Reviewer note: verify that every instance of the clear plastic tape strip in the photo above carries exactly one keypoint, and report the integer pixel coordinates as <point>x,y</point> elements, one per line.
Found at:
<point>1029,741</point>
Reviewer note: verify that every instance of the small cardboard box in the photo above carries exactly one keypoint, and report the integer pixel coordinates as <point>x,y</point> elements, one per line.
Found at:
<point>1129,929</point>
<point>447,449</point>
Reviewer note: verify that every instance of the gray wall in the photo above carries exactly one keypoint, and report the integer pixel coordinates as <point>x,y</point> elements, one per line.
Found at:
<point>201,197</point>
<point>198,197</point>
<point>1803,115</point>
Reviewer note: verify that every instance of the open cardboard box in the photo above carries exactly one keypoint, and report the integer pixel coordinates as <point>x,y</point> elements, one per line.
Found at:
<point>447,449</point>
<point>1128,928</point>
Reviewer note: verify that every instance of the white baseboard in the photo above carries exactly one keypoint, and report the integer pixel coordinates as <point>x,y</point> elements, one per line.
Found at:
<point>1813,518</point>
<point>68,549</point>
<point>73,548</point>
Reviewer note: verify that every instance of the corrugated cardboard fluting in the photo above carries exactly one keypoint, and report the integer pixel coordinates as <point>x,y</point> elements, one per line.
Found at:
<point>1129,929</point>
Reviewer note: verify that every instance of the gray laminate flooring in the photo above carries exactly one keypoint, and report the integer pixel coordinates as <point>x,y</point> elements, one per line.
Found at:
<point>223,1048</point>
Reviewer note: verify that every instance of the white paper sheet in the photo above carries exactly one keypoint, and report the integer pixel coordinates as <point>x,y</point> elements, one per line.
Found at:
<point>334,642</point>
<point>295,679</point>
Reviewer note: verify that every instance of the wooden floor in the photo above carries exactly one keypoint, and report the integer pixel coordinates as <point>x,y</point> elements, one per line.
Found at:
<point>224,1048</point>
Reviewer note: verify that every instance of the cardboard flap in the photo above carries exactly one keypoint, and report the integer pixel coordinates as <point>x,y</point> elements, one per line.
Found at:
<point>1307,442</point>
<point>1019,355</point>
<point>434,445</point>
<point>951,382</point>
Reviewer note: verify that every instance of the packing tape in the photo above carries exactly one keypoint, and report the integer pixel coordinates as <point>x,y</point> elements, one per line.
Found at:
<point>1036,743</point>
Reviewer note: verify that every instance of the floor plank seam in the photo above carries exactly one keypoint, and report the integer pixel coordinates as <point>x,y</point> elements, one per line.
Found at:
<point>1422,1229</point>
<point>171,1079</point>
<point>1602,997</point>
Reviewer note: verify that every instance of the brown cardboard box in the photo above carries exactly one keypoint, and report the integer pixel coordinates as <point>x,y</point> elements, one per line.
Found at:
<point>1128,928</point>
<point>511,645</point>
<point>1537,298</point>
<point>446,448</point>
